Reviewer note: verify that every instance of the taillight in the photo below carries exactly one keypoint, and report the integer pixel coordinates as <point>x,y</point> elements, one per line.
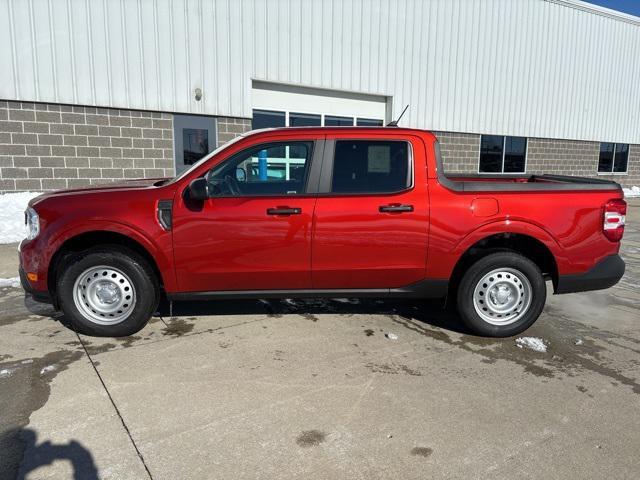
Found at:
<point>614,218</point>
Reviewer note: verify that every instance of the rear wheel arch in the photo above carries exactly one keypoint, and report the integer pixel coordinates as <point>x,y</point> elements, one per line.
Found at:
<point>525,245</point>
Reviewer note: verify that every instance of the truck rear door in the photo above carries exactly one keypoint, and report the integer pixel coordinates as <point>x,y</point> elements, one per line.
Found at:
<point>371,217</point>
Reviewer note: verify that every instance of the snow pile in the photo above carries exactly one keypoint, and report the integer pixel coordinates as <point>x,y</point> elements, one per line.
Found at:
<point>12,207</point>
<point>533,343</point>
<point>632,192</point>
<point>13,282</point>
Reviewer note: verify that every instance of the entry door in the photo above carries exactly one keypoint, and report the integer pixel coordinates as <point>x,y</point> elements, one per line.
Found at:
<point>371,224</point>
<point>254,232</point>
<point>194,137</point>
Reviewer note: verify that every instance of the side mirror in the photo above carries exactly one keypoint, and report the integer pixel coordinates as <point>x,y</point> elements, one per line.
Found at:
<point>199,189</point>
<point>241,175</point>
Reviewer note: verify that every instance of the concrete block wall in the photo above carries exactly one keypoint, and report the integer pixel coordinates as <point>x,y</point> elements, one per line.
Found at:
<point>461,151</point>
<point>48,147</point>
<point>229,128</point>
<point>579,158</point>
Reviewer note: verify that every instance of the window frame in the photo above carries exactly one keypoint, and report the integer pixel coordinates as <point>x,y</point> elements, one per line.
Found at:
<point>309,187</point>
<point>504,143</point>
<point>613,160</point>
<point>326,175</point>
<point>287,122</point>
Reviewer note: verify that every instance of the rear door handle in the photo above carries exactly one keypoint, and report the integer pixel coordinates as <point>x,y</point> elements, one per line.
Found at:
<point>395,208</point>
<point>284,211</point>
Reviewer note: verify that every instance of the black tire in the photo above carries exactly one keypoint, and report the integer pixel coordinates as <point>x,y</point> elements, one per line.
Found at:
<point>507,260</point>
<point>139,273</point>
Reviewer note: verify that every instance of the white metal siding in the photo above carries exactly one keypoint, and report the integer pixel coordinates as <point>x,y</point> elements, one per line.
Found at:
<point>526,67</point>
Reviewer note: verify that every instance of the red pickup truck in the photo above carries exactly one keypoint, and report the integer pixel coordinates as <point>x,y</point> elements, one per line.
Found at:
<point>323,212</point>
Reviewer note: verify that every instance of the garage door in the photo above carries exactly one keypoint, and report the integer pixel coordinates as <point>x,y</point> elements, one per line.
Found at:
<point>277,105</point>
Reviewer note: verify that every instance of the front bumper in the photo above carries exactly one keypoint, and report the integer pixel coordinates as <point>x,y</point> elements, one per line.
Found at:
<point>604,274</point>
<point>37,295</point>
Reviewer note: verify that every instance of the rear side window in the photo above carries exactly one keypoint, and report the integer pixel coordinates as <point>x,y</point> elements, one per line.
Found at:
<point>368,166</point>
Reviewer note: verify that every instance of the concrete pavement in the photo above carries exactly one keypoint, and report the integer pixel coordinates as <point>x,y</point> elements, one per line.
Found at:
<point>290,389</point>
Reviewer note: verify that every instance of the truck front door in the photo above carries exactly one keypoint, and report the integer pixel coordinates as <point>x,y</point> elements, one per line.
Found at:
<point>254,232</point>
<point>371,217</point>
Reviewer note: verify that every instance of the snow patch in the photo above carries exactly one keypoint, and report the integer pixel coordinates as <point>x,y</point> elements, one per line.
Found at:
<point>13,282</point>
<point>631,192</point>
<point>12,207</point>
<point>533,343</point>
<point>48,368</point>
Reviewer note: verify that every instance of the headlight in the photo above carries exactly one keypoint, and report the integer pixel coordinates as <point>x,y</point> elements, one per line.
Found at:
<point>32,221</point>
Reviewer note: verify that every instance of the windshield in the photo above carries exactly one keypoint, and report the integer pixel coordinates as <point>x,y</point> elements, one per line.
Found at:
<point>205,158</point>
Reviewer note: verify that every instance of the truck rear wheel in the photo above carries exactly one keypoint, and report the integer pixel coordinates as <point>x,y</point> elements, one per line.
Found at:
<point>501,295</point>
<point>107,292</point>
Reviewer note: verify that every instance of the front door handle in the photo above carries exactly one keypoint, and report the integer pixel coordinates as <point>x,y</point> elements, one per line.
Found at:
<point>284,211</point>
<point>395,208</point>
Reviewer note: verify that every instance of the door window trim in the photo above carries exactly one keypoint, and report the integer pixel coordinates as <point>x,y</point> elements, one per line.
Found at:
<point>326,174</point>
<point>312,175</point>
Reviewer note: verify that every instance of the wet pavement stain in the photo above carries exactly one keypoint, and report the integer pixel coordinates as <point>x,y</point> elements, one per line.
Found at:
<point>563,357</point>
<point>27,389</point>
<point>177,327</point>
<point>311,438</point>
<point>422,451</point>
<point>95,349</point>
<point>126,342</point>
<point>392,369</point>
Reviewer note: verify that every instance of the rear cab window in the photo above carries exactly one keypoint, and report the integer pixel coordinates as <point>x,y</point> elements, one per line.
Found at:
<point>371,167</point>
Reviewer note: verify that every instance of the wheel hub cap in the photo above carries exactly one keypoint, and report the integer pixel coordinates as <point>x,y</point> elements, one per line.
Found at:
<point>104,295</point>
<point>502,296</point>
<point>107,293</point>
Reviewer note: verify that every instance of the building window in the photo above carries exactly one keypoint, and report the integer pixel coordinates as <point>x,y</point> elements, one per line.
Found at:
<point>368,122</point>
<point>268,119</point>
<point>304,120</point>
<point>276,119</point>
<point>370,166</point>
<point>614,157</point>
<point>499,154</point>
<point>332,121</point>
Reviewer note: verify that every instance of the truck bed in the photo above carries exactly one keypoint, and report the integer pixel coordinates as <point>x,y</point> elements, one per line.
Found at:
<point>519,182</point>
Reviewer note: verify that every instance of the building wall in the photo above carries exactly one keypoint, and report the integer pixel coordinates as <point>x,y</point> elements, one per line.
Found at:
<point>48,146</point>
<point>460,154</point>
<point>229,128</point>
<point>459,151</point>
<point>533,68</point>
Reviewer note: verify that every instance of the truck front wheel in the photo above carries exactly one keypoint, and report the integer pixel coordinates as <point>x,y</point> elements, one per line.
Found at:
<point>501,295</point>
<point>107,291</point>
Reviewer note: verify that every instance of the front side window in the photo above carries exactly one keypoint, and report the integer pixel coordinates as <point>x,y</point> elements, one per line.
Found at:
<point>367,166</point>
<point>614,157</point>
<point>499,154</point>
<point>271,169</point>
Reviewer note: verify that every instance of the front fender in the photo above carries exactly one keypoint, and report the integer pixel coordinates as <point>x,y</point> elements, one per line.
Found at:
<point>158,245</point>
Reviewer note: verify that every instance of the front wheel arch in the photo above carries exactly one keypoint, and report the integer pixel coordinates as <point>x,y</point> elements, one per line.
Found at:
<point>93,240</point>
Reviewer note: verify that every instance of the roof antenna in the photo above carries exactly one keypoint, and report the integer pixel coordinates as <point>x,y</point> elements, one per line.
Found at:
<point>394,123</point>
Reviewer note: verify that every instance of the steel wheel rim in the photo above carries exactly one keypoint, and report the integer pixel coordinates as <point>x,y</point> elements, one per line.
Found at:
<point>104,295</point>
<point>502,296</point>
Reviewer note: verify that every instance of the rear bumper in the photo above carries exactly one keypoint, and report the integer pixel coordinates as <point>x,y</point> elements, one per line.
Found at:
<point>38,296</point>
<point>604,274</point>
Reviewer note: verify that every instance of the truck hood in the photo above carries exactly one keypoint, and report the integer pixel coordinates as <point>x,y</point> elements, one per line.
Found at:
<point>137,184</point>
